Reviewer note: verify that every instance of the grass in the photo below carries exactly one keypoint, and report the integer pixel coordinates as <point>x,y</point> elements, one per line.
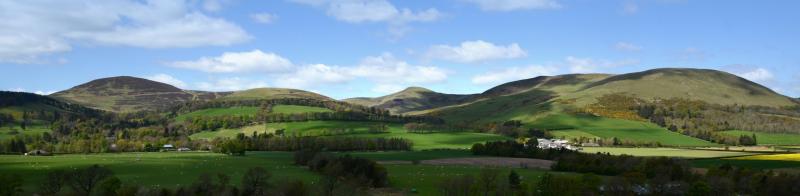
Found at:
<point>768,138</point>
<point>5,132</point>
<point>669,152</point>
<point>572,126</point>
<point>285,109</point>
<point>171,169</point>
<point>168,169</point>
<point>449,140</point>
<point>765,161</point>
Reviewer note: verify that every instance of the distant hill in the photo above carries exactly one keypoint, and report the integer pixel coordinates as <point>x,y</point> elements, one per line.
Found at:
<point>15,103</point>
<point>411,99</point>
<point>274,93</point>
<point>128,94</point>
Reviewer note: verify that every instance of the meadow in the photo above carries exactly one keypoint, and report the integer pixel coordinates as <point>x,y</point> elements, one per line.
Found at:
<point>283,109</point>
<point>437,140</point>
<point>768,138</point>
<point>172,169</point>
<point>575,126</point>
<point>8,132</point>
<point>668,152</point>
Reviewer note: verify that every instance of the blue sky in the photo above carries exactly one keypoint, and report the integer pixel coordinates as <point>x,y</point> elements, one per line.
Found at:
<point>351,48</point>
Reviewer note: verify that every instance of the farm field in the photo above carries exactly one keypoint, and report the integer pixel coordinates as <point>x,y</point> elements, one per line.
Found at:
<point>573,126</point>
<point>451,140</point>
<point>772,161</point>
<point>284,109</point>
<point>768,138</point>
<point>669,152</point>
<point>6,132</point>
<point>171,169</point>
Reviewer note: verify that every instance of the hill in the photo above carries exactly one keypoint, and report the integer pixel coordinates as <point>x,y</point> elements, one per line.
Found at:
<point>411,99</point>
<point>274,93</point>
<point>129,94</point>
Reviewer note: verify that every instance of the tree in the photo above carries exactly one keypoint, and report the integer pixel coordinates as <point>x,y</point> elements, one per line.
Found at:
<point>10,184</point>
<point>53,182</point>
<point>108,186</point>
<point>256,181</point>
<point>84,180</point>
<point>488,180</point>
<point>514,180</point>
<point>699,188</point>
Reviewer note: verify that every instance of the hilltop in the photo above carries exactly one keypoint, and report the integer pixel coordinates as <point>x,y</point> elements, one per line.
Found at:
<point>128,94</point>
<point>274,93</point>
<point>410,99</point>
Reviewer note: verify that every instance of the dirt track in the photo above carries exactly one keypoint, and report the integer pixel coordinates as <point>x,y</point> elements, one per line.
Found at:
<point>485,161</point>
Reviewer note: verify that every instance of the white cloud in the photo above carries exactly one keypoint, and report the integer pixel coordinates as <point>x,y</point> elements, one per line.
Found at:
<point>231,84</point>
<point>151,24</point>
<point>264,18</point>
<point>230,62</point>
<point>168,79</point>
<point>387,69</point>
<point>311,75</point>
<point>475,51</point>
<point>511,5</point>
<point>630,8</point>
<point>372,11</point>
<point>749,72</point>
<point>514,73</point>
<point>588,65</point>
<point>625,46</point>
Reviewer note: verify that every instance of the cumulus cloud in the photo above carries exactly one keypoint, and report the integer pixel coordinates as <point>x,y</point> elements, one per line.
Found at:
<point>475,51</point>
<point>513,73</point>
<point>750,72</point>
<point>372,11</point>
<point>231,84</point>
<point>316,74</point>
<point>511,5</point>
<point>149,24</point>
<point>168,79</point>
<point>625,46</point>
<point>264,18</point>
<point>232,62</point>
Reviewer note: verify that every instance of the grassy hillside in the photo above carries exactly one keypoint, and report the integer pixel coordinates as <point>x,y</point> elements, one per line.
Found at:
<point>284,109</point>
<point>273,93</point>
<point>410,99</point>
<point>129,94</point>
<point>768,138</point>
<point>575,126</point>
<point>459,140</point>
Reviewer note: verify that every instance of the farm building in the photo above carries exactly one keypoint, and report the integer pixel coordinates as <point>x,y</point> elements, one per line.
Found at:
<point>554,143</point>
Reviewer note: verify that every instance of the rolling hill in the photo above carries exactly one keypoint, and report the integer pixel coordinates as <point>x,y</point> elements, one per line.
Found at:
<point>274,93</point>
<point>411,99</point>
<point>129,94</point>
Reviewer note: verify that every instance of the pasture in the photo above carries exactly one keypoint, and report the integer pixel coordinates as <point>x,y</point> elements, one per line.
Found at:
<point>436,140</point>
<point>238,111</point>
<point>171,169</point>
<point>668,152</point>
<point>768,138</point>
<point>574,126</point>
<point>10,132</point>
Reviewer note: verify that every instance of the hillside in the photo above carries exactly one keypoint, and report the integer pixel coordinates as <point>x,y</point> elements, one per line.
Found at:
<point>274,93</point>
<point>411,99</point>
<point>128,94</point>
<point>14,103</point>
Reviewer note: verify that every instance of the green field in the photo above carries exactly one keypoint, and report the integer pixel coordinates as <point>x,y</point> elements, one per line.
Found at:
<point>171,169</point>
<point>413,155</point>
<point>284,109</point>
<point>5,132</point>
<point>452,140</point>
<point>572,126</point>
<point>768,138</point>
<point>669,152</point>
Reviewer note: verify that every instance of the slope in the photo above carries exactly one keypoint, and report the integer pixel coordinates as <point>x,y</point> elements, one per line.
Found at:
<point>129,94</point>
<point>274,93</point>
<point>410,99</point>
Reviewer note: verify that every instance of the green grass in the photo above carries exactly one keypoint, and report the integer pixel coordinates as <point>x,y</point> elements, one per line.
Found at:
<point>456,140</point>
<point>285,109</point>
<point>584,125</point>
<point>171,169</point>
<point>5,131</point>
<point>168,169</point>
<point>768,138</point>
<point>413,155</point>
<point>754,164</point>
<point>668,152</point>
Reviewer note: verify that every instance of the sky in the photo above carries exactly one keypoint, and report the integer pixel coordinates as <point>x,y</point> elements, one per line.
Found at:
<point>368,48</point>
